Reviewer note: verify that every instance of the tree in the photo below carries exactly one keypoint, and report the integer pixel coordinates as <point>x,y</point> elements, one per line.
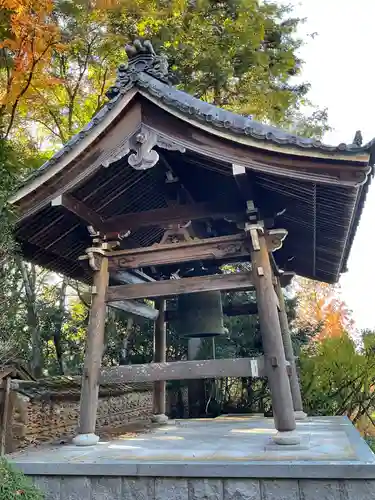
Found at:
<point>322,309</point>
<point>338,379</point>
<point>240,55</point>
<point>29,37</point>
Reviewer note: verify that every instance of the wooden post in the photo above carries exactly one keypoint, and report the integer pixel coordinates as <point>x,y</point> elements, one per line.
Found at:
<point>160,348</point>
<point>93,358</point>
<point>5,415</point>
<point>196,387</point>
<point>289,354</point>
<point>275,362</point>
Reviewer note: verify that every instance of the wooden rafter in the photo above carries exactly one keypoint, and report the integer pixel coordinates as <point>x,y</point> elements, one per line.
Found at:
<point>81,210</point>
<point>243,184</point>
<point>162,217</point>
<point>176,214</point>
<point>170,288</point>
<point>225,247</point>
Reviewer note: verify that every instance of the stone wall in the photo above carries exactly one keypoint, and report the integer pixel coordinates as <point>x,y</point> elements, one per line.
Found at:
<point>37,421</point>
<point>143,488</point>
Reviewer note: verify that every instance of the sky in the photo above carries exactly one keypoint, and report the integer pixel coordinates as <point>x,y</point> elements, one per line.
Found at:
<point>339,65</point>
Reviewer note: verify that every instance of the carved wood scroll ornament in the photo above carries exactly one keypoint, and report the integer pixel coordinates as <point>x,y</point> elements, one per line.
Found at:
<point>141,145</point>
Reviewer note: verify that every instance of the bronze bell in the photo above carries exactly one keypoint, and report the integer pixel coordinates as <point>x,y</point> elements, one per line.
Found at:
<point>200,315</point>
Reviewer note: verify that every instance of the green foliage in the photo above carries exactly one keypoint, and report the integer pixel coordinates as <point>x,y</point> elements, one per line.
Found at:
<point>337,377</point>
<point>371,442</point>
<point>14,485</point>
<point>8,179</point>
<point>238,54</point>
<point>314,125</point>
<point>241,55</point>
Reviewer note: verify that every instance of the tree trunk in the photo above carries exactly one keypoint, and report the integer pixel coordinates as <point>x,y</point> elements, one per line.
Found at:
<point>36,344</point>
<point>29,283</point>
<point>124,348</point>
<point>58,327</point>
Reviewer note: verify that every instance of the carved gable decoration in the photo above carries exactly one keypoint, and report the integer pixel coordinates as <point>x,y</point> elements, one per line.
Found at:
<point>141,145</point>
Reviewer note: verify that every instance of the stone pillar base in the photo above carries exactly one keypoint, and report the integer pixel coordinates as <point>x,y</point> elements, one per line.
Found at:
<point>85,440</point>
<point>287,438</point>
<point>300,415</point>
<point>160,419</point>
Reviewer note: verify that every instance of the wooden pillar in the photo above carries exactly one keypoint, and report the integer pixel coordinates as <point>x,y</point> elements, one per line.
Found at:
<point>6,420</point>
<point>275,362</point>
<point>160,348</point>
<point>289,354</point>
<point>93,358</point>
<point>196,387</point>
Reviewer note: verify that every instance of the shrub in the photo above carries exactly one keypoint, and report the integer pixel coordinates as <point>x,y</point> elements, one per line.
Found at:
<point>15,486</point>
<point>370,440</point>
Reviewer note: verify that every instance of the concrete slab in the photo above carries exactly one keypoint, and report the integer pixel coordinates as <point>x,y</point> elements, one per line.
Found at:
<point>230,446</point>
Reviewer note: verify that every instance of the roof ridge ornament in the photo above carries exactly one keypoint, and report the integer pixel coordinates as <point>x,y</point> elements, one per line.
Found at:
<point>142,58</point>
<point>358,139</point>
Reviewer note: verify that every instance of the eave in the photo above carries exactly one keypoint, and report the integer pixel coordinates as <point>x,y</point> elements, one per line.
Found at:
<point>217,122</point>
<point>328,182</point>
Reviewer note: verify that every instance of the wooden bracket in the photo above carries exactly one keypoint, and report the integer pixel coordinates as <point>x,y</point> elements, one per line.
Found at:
<point>275,238</point>
<point>94,254</point>
<point>254,230</point>
<point>176,233</point>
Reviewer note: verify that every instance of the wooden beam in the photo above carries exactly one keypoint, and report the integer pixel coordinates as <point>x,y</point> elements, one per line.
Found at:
<point>245,191</point>
<point>241,309</point>
<point>135,309</point>
<point>224,247</point>
<point>171,215</point>
<point>170,288</point>
<point>79,209</point>
<point>184,370</point>
<point>232,310</point>
<point>286,278</point>
<point>243,184</point>
<point>131,277</point>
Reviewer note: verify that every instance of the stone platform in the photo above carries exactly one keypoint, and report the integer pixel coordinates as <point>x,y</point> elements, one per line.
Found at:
<point>228,458</point>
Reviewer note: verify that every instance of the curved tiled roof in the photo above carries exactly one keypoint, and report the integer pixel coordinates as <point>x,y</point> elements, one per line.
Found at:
<point>149,72</point>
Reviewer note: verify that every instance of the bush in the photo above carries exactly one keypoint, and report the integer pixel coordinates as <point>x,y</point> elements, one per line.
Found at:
<point>371,442</point>
<point>15,486</point>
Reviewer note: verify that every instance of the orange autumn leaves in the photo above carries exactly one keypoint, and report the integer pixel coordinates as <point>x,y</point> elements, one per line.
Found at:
<point>26,49</point>
<point>320,305</point>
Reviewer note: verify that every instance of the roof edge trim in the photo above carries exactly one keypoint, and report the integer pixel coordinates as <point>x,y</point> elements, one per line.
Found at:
<point>111,114</point>
<point>361,156</point>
